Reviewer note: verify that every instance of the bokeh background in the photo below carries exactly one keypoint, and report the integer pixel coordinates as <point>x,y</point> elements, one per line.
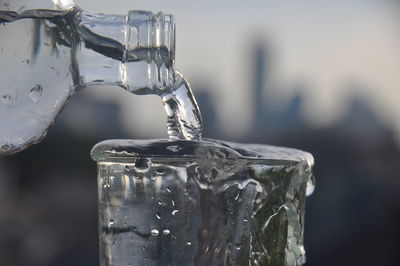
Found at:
<point>322,76</point>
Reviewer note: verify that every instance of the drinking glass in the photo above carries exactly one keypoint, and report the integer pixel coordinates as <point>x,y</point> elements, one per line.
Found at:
<point>181,202</point>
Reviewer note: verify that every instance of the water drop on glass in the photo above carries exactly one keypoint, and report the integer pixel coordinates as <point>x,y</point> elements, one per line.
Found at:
<point>166,232</point>
<point>301,260</point>
<point>160,171</point>
<point>310,185</point>
<point>155,232</point>
<point>237,196</point>
<point>6,99</point>
<point>173,148</point>
<point>36,92</point>
<point>6,148</point>
<point>142,165</point>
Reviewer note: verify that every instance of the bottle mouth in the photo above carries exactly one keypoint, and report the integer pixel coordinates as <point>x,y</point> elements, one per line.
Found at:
<point>140,34</point>
<point>148,30</point>
<point>149,39</point>
<point>139,48</point>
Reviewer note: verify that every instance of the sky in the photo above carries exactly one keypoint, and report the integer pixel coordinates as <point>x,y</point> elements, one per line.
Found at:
<point>330,46</point>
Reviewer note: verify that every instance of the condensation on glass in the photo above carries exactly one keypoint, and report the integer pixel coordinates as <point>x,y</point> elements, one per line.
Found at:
<point>164,202</point>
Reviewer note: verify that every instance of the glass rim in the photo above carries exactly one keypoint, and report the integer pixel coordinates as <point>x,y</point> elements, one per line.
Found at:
<point>124,150</point>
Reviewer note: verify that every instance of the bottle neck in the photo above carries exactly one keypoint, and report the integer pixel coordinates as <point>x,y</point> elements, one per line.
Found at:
<point>136,51</point>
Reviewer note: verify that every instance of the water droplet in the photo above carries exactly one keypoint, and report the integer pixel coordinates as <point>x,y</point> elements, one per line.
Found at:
<point>54,71</point>
<point>142,165</point>
<point>174,212</point>
<point>237,196</point>
<point>173,202</point>
<point>166,232</point>
<point>6,148</point>
<point>111,222</point>
<point>237,246</point>
<point>288,168</point>
<point>188,244</point>
<point>158,216</point>
<point>155,232</point>
<point>36,92</point>
<point>310,185</point>
<point>6,99</point>
<point>168,190</point>
<point>173,148</point>
<point>160,171</point>
<point>301,260</point>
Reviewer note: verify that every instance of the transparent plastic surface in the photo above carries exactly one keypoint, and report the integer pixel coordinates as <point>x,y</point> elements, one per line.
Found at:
<point>50,49</point>
<point>164,202</point>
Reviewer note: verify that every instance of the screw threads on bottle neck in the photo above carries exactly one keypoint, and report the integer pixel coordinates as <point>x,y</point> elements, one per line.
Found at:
<point>147,30</point>
<point>136,51</point>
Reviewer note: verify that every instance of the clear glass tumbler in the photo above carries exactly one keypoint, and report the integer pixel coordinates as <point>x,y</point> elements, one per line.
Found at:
<point>180,202</point>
